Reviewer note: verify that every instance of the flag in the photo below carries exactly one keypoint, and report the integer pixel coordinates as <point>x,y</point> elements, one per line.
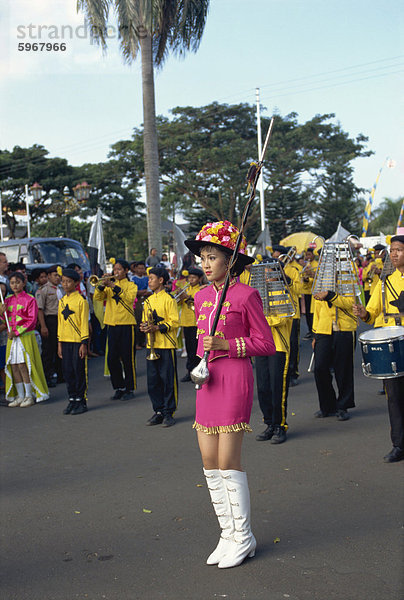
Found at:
<point>96,248</point>
<point>180,247</point>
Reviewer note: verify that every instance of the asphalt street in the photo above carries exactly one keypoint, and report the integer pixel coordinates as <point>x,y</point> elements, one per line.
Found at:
<point>99,506</point>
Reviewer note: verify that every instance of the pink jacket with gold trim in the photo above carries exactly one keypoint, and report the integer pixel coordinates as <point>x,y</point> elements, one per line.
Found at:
<point>242,321</point>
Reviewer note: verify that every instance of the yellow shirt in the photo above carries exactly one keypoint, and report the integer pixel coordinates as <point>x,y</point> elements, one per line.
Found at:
<point>393,287</point>
<point>73,318</point>
<point>119,302</point>
<point>281,329</point>
<point>296,286</point>
<point>187,314</point>
<point>163,306</point>
<point>335,309</point>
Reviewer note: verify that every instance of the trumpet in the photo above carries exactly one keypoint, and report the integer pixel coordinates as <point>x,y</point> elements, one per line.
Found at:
<point>178,295</point>
<point>96,281</point>
<point>152,354</point>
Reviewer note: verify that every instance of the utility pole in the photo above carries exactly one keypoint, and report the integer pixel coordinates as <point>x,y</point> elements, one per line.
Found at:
<point>261,179</point>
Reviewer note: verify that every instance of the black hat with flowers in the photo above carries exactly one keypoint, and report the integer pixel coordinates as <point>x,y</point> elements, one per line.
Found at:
<point>223,235</point>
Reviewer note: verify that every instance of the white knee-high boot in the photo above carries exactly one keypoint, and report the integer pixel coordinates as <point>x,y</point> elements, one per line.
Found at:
<point>244,542</point>
<point>221,505</point>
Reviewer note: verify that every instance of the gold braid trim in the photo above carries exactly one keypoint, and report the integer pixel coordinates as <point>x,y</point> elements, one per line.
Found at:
<point>222,428</point>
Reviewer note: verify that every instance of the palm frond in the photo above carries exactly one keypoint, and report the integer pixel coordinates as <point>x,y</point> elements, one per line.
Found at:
<point>96,12</point>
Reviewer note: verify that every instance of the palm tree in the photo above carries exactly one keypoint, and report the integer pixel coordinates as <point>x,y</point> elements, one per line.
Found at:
<point>385,217</point>
<point>154,27</point>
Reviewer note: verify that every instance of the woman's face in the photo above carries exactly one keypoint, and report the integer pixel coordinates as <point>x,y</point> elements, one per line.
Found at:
<point>16,285</point>
<point>214,263</point>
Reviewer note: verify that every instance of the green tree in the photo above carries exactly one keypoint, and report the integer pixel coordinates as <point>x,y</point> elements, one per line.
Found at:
<point>152,27</point>
<point>385,217</point>
<point>22,166</point>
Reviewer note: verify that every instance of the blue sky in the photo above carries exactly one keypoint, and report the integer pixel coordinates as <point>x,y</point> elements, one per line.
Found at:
<point>313,56</point>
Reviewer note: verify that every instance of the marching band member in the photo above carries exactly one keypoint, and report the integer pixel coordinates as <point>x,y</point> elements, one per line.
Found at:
<point>388,301</point>
<point>293,270</point>
<point>223,404</point>
<point>372,271</point>
<point>73,334</point>
<point>160,322</point>
<point>120,295</point>
<point>308,277</point>
<point>272,373</point>
<point>188,321</point>
<point>334,327</point>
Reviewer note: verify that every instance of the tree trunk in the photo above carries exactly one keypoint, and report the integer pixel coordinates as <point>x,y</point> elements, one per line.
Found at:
<point>150,146</point>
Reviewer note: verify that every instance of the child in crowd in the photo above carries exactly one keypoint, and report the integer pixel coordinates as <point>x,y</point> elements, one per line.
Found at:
<point>47,297</point>
<point>39,278</point>
<point>72,342</point>
<point>23,367</point>
<point>160,322</point>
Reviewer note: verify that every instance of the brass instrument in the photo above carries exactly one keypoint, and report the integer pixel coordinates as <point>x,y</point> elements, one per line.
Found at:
<point>96,281</point>
<point>288,257</point>
<point>150,321</point>
<point>178,295</point>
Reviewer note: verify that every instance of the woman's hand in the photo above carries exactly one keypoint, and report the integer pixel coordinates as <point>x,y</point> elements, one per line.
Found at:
<point>83,351</point>
<point>11,335</point>
<point>212,342</point>
<point>2,308</point>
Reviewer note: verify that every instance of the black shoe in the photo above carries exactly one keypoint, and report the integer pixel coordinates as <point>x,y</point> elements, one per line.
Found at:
<point>69,407</point>
<point>266,434</point>
<point>168,421</point>
<point>80,408</point>
<point>156,419</point>
<point>342,415</point>
<point>322,415</point>
<point>395,455</point>
<point>293,382</point>
<point>118,395</point>
<point>381,393</point>
<point>186,378</point>
<point>51,384</point>
<point>308,336</point>
<point>127,396</point>
<point>279,435</point>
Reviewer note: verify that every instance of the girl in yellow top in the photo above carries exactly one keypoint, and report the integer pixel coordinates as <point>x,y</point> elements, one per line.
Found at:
<point>188,321</point>
<point>119,296</point>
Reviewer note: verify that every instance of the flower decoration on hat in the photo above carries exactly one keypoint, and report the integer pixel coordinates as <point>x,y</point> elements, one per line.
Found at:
<point>222,233</point>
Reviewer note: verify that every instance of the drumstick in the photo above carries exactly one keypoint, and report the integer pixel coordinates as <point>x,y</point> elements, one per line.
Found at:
<point>310,369</point>
<point>5,312</point>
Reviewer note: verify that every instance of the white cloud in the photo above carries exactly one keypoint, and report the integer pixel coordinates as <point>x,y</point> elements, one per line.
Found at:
<point>46,22</point>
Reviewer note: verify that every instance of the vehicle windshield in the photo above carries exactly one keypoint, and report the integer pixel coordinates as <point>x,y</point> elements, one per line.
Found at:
<point>61,252</point>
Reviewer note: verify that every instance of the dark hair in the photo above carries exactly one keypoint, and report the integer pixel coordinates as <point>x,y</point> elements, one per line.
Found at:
<point>18,275</point>
<point>237,268</point>
<point>74,266</point>
<point>160,272</point>
<point>140,262</point>
<point>37,272</point>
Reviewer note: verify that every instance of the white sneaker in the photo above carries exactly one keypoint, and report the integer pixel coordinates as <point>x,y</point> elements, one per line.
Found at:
<point>16,402</point>
<point>29,401</point>
<point>184,354</point>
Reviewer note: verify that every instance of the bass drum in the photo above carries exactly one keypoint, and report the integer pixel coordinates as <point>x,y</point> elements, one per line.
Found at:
<point>383,352</point>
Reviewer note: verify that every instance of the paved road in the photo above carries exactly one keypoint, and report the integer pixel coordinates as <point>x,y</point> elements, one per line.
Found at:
<point>100,506</point>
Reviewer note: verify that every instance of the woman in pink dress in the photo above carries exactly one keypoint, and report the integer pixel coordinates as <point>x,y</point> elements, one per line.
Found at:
<point>223,404</point>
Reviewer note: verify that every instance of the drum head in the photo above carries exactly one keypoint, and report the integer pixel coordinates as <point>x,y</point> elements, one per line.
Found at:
<point>382,334</point>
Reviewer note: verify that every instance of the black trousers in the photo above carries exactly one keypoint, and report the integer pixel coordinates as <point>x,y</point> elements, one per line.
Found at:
<point>395,402</point>
<point>309,315</point>
<point>337,351</point>
<point>140,336</point>
<point>162,381</point>
<point>294,350</point>
<point>50,359</point>
<point>191,344</point>
<point>122,352</point>
<point>74,371</point>
<point>272,385</point>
